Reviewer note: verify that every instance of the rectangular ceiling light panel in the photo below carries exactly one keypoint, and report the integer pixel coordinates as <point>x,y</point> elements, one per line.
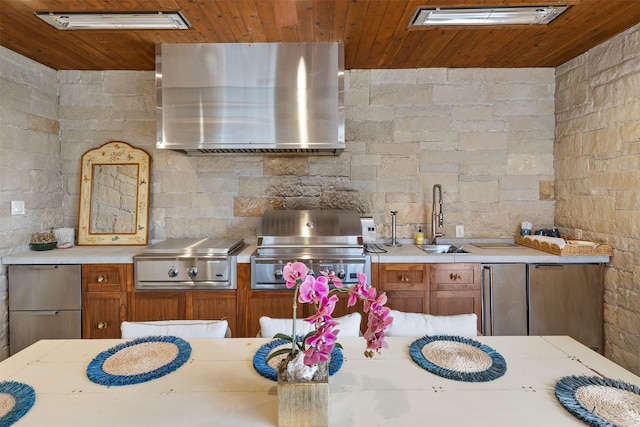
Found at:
<point>487,16</point>
<point>115,21</point>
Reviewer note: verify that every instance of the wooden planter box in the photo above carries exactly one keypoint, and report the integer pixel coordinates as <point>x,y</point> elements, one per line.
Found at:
<point>304,404</point>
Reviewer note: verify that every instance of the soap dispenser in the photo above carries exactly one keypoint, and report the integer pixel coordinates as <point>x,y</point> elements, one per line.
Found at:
<point>419,236</point>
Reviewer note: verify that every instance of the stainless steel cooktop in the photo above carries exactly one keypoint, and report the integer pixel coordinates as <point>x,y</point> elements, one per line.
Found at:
<point>203,246</point>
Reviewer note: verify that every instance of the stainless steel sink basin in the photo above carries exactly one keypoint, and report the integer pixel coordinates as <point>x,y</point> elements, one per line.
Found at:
<point>441,249</point>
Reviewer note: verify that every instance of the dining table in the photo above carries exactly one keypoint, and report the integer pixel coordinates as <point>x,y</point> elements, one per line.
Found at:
<point>218,385</point>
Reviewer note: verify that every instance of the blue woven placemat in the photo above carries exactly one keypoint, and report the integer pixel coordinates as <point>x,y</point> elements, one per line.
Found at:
<point>97,374</point>
<point>610,402</point>
<point>496,368</point>
<point>24,397</point>
<point>262,367</point>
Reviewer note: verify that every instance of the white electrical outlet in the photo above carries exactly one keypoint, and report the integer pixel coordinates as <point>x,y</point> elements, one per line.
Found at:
<point>17,207</point>
<point>459,230</point>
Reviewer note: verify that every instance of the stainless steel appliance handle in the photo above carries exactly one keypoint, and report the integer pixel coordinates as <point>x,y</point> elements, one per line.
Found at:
<point>488,273</point>
<point>45,313</point>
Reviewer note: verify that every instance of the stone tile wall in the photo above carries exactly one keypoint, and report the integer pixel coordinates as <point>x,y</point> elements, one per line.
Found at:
<point>597,163</point>
<point>29,161</point>
<point>485,135</point>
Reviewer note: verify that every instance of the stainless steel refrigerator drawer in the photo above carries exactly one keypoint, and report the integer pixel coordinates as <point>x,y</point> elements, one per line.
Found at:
<point>567,299</point>
<point>44,287</point>
<point>27,327</point>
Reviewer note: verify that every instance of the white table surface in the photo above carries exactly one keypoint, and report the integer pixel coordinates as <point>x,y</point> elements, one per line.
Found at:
<point>218,386</point>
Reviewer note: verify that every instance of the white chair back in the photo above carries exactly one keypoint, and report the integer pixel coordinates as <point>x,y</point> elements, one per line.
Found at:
<point>418,324</point>
<point>348,325</point>
<point>179,328</point>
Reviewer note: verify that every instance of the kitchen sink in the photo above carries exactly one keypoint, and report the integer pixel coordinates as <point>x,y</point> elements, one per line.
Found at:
<point>442,249</point>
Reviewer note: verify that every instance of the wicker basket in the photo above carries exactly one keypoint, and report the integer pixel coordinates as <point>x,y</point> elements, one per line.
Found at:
<point>571,248</point>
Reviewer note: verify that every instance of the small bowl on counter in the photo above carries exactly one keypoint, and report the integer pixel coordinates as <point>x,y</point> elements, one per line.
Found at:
<point>40,246</point>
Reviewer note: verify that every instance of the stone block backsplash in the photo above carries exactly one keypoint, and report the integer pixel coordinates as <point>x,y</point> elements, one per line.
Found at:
<point>485,135</point>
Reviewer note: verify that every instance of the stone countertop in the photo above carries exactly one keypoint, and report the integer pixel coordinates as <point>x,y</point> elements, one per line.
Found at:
<point>77,255</point>
<point>407,253</point>
<point>410,253</point>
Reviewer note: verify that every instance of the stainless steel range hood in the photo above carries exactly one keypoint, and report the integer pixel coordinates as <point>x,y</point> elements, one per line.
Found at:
<point>267,98</point>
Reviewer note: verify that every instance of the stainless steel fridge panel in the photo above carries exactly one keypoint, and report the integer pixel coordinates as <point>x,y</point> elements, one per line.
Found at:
<point>567,299</point>
<point>28,327</point>
<point>44,303</point>
<point>44,287</point>
<point>504,299</point>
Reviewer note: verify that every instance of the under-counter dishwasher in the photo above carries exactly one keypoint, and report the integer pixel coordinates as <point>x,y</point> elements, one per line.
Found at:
<point>567,299</point>
<point>44,303</point>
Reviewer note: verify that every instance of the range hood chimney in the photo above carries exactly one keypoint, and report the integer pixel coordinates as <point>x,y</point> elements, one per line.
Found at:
<point>265,98</point>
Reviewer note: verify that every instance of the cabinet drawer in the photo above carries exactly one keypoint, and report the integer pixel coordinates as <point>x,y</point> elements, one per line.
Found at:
<point>454,277</point>
<point>104,277</point>
<point>403,277</point>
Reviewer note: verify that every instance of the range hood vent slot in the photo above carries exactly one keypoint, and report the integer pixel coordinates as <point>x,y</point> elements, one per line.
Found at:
<point>250,98</point>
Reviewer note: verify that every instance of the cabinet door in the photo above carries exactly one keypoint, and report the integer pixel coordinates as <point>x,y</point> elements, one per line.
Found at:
<point>213,305</point>
<point>444,303</point>
<point>102,314</point>
<point>106,277</point>
<point>404,277</point>
<point>456,289</point>
<point>278,304</point>
<point>157,305</point>
<point>406,286</point>
<point>408,301</point>
<point>104,298</point>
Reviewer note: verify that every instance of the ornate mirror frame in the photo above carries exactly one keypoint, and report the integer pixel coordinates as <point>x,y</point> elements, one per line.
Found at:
<point>114,153</point>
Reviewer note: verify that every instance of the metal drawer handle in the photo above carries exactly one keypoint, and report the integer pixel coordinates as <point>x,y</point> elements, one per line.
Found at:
<point>455,277</point>
<point>102,325</point>
<point>404,278</point>
<point>102,279</point>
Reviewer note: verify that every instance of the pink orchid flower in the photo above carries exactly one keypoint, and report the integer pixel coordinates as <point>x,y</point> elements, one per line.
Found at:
<point>313,290</point>
<point>333,278</point>
<point>293,272</point>
<point>320,344</point>
<point>324,311</point>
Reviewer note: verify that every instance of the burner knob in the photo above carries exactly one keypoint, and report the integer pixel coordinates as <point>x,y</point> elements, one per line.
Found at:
<point>278,275</point>
<point>341,275</point>
<point>173,272</point>
<point>193,272</point>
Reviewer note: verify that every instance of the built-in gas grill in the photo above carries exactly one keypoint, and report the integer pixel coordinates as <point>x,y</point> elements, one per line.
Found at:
<point>325,240</point>
<point>188,264</point>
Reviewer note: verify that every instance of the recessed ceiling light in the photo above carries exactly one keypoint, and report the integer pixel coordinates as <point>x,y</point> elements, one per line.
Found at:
<point>487,15</point>
<point>115,21</point>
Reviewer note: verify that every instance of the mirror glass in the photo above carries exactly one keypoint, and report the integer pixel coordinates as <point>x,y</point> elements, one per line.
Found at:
<point>114,196</point>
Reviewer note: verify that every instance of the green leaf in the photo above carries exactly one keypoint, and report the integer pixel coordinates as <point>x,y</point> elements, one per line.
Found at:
<point>278,353</point>
<point>283,337</point>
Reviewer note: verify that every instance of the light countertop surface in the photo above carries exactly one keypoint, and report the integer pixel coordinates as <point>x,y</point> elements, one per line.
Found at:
<point>407,253</point>
<point>410,253</point>
<point>219,386</point>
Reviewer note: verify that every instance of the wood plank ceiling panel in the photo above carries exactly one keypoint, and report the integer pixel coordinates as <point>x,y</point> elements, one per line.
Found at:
<point>375,32</point>
<point>392,22</point>
<point>352,32</point>
<point>374,15</point>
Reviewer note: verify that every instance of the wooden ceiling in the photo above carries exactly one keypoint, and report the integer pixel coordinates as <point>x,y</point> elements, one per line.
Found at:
<point>375,32</point>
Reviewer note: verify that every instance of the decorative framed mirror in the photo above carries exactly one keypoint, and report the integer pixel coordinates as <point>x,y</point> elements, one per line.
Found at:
<point>114,196</point>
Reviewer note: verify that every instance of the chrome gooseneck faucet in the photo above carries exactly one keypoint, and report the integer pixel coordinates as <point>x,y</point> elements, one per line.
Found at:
<point>439,217</point>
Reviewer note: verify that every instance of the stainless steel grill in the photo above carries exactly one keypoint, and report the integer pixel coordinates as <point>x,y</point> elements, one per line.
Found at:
<point>325,240</point>
<point>188,264</point>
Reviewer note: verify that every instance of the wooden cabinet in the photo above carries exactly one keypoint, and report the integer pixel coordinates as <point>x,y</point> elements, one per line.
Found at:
<point>276,303</point>
<point>149,305</point>
<point>157,305</point>
<point>109,298</point>
<point>456,289</point>
<point>406,285</point>
<point>104,298</point>
<point>214,305</point>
